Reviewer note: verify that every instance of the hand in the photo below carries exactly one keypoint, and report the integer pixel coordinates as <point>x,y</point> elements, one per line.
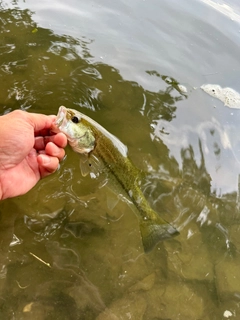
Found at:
<point>28,152</point>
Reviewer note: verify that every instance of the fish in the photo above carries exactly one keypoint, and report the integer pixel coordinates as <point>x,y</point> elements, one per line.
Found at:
<point>102,151</point>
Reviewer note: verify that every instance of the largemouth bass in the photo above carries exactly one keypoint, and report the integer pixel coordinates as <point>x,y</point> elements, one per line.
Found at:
<point>97,145</point>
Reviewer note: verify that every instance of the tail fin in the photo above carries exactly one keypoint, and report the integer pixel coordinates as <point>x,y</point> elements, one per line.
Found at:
<point>153,231</point>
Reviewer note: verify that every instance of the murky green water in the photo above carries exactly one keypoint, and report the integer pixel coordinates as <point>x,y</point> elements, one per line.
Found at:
<point>64,253</point>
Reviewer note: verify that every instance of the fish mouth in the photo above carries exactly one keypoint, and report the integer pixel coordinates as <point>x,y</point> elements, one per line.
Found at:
<point>61,115</point>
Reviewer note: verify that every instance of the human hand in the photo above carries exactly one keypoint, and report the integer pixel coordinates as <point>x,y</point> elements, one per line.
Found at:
<point>28,151</point>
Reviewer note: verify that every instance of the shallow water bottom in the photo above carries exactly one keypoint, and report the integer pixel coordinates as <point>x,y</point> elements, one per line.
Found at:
<point>74,259</point>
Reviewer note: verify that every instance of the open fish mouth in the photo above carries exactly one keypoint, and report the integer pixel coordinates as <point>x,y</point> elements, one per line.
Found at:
<point>60,116</point>
<point>60,120</point>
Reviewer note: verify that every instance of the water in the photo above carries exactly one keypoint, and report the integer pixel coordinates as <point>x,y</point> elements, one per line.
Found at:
<point>64,253</point>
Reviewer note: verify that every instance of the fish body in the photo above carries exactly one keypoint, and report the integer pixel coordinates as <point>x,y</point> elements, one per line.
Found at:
<point>90,139</point>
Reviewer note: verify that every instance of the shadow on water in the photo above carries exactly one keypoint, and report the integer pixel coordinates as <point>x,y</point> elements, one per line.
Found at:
<point>64,254</point>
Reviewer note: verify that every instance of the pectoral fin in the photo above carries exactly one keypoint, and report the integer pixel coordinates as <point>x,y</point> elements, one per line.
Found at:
<point>89,163</point>
<point>154,231</point>
<point>84,164</point>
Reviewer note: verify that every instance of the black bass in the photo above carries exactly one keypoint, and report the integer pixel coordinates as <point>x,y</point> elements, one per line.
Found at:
<point>97,145</point>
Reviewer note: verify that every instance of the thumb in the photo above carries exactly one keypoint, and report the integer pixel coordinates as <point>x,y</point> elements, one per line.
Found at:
<point>40,121</point>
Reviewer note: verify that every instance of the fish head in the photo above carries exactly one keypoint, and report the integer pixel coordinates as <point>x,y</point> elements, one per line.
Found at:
<point>79,134</point>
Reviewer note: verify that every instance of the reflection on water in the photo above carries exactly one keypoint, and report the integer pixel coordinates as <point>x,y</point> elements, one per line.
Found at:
<point>64,254</point>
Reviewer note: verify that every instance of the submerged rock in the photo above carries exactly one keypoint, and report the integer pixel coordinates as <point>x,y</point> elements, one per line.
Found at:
<point>190,258</point>
<point>144,284</point>
<point>131,306</point>
<point>228,278</point>
<point>234,232</point>
<point>35,310</point>
<point>175,301</point>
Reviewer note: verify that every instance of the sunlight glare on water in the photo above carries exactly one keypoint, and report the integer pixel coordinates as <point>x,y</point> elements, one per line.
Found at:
<point>69,250</point>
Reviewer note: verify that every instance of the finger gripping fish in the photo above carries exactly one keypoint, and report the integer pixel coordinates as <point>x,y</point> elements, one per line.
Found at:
<point>97,145</point>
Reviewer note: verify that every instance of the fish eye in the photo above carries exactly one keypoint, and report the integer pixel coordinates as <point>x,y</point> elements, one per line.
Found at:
<point>75,119</point>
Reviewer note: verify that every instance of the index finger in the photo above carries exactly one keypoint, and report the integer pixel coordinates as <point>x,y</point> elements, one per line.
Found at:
<point>59,139</point>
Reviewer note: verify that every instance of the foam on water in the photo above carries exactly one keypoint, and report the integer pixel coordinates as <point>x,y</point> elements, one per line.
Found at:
<point>228,96</point>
